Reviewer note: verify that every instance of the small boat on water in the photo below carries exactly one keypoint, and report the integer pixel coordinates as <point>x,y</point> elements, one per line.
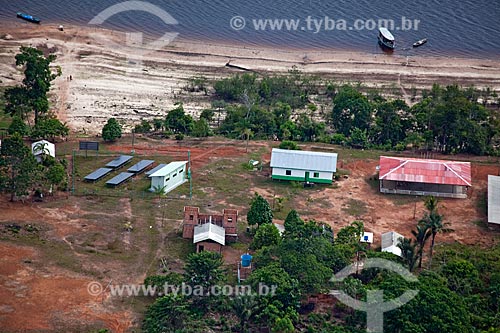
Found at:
<point>385,38</point>
<point>420,42</point>
<point>28,18</point>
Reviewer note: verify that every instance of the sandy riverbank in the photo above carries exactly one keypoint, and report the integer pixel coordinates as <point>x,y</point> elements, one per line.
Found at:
<point>110,78</point>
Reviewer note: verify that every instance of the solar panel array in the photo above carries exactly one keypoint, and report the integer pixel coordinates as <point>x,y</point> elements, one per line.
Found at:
<point>119,161</point>
<point>98,174</point>
<point>117,180</point>
<point>150,172</point>
<point>141,166</point>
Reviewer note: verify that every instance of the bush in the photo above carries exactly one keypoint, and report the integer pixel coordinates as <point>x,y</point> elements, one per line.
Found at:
<point>290,145</point>
<point>179,137</point>
<point>112,130</point>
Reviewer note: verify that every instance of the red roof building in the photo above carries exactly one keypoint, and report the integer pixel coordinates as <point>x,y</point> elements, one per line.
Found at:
<point>424,177</point>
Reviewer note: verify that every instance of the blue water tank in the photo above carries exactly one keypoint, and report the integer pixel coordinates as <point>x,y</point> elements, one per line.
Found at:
<point>246,259</point>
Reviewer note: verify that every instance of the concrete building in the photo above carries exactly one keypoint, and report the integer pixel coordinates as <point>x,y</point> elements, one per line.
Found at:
<point>390,241</point>
<point>43,147</point>
<point>400,175</point>
<point>303,166</point>
<point>209,231</point>
<point>169,177</point>
<point>494,199</point>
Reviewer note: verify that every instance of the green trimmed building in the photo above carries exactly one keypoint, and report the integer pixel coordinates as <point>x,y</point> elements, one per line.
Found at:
<point>303,166</point>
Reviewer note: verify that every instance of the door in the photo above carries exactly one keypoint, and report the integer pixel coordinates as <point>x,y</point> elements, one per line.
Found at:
<point>307,176</point>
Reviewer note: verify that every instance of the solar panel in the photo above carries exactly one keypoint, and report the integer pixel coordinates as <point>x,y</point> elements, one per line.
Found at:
<point>150,172</point>
<point>139,167</point>
<point>98,174</point>
<point>117,180</point>
<point>119,161</point>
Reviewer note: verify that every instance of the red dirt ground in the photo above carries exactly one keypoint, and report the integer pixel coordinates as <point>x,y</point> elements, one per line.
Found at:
<point>200,154</point>
<point>33,299</point>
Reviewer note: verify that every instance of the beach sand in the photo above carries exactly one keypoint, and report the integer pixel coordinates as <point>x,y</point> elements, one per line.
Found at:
<point>113,77</point>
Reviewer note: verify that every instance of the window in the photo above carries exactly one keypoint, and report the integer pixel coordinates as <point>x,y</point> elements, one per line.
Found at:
<point>181,170</point>
<point>191,217</point>
<point>316,175</point>
<point>174,175</point>
<point>288,172</point>
<point>229,219</point>
<point>167,179</point>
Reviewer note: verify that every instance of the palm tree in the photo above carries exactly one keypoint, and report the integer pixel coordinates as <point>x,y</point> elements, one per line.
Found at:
<point>245,307</point>
<point>246,133</point>
<point>421,235</point>
<point>431,203</point>
<point>42,148</point>
<point>434,222</point>
<point>408,252</point>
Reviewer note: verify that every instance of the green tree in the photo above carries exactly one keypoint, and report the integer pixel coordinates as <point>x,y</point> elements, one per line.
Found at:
<point>49,128</point>
<point>201,128</point>
<point>408,252</point>
<point>32,95</point>
<point>56,174</point>
<point>260,211</point>
<point>266,235</point>
<point>112,130</point>
<point>204,269</point>
<point>177,120</point>
<point>434,222</point>
<point>462,276</point>
<point>246,307</point>
<point>350,110</point>
<point>421,235</point>
<point>18,167</point>
<point>167,314</point>
<point>18,126</point>
<point>294,225</point>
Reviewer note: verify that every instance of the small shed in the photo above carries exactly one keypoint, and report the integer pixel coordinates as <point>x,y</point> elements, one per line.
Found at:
<point>413,176</point>
<point>303,166</point>
<point>390,241</point>
<point>43,147</point>
<point>494,199</point>
<point>169,177</point>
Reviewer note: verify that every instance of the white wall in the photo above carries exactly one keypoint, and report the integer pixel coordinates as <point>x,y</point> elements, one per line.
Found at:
<point>302,173</point>
<point>170,182</point>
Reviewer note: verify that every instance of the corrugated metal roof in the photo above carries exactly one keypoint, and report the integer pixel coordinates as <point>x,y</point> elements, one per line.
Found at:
<point>425,171</point>
<point>169,168</point>
<point>493,199</point>
<point>303,160</point>
<point>209,231</point>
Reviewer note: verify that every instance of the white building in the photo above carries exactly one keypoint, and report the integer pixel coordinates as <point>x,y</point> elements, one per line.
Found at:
<point>390,241</point>
<point>303,166</point>
<point>169,177</point>
<point>43,147</point>
<point>494,199</point>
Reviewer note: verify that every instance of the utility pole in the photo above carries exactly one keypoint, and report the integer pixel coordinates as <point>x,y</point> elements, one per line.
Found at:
<point>73,173</point>
<point>189,176</point>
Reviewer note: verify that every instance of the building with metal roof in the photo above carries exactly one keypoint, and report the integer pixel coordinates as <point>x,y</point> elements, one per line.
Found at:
<point>303,166</point>
<point>169,177</point>
<point>494,199</point>
<point>440,178</point>
<point>390,241</point>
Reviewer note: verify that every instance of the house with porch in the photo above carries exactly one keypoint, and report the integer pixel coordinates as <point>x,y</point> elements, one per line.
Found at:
<point>413,176</point>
